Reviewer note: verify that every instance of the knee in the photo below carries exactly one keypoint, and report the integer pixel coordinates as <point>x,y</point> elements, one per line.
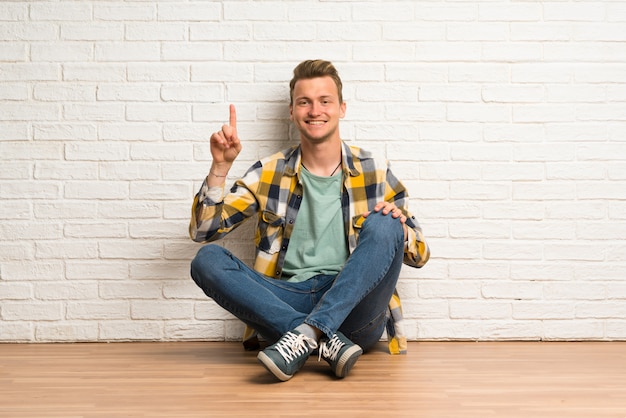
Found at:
<point>203,263</point>
<point>383,227</point>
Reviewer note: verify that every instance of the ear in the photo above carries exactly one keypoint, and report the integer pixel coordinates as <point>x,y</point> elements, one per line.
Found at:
<point>291,112</point>
<point>342,110</point>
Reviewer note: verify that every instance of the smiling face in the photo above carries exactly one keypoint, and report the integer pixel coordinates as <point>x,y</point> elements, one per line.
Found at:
<point>316,109</point>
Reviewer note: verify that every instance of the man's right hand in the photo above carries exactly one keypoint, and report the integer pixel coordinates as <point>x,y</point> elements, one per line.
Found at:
<point>225,145</point>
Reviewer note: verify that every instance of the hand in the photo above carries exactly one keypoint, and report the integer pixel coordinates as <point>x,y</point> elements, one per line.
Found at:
<point>388,208</point>
<point>225,145</point>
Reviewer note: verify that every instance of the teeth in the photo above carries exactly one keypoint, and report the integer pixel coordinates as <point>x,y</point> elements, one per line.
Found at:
<point>316,123</point>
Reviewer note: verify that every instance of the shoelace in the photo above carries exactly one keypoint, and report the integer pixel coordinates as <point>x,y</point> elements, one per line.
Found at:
<point>291,346</point>
<point>330,349</point>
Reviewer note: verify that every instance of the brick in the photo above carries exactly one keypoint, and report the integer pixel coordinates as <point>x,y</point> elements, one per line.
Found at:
<point>97,310</point>
<point>542,310</point>
<point>16,291</point>
<point>94,112</point>
<point>96,151</point>
<point>66,250</point>
<point>555,330</point>
<point>28,31</point>
<point>16,332</point>
<point>94,72</point>
<point>196,51</point>
<point>124,12</point>
<point>19,230</point>
<point>51,170</point>
<point>460,309</point>
<point>64,291</point>
<point>520,12</point>
<point>13,11</point>
<point>448,290</point>
<point>204,331</point>
<point>155,32</point>
<point>15,171</point>
<point>399,31</point>
<point>64,131</point>
<point>130,131</point>
<point>193,11</point>
<point>16,251</point>
<point>96,270</point>
<point>14,91</point>
<point>33,112</point>
<point>68,331</point>
<point>126,51</point>
<point>129,210</point>
<point>222,31</point>
<point>159,190</point>
<point>94,229</point>
<point>151,310</point>
<point>53,52</point>
<point>32,311</point>
<point>130,331</point>
<point>157,112</point>
<point>272,10</point>
<point>501,289</point>
<point>158,72</point>
<point>60,12</point>
<point>92,31</point>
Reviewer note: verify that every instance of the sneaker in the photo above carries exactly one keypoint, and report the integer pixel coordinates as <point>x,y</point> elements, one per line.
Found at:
<point>340,353</point>
<point>284,358</point>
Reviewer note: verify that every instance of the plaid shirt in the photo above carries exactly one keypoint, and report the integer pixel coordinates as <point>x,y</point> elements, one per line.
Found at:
<point>271,191</point>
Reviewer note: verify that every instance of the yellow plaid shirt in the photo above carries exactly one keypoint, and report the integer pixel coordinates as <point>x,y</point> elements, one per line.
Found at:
<point>271,192</point>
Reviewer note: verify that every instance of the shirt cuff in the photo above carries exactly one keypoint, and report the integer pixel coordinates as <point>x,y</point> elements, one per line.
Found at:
<point>214,194</point>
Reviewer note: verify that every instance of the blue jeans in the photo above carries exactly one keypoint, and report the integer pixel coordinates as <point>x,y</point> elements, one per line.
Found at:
<point>354,302</point>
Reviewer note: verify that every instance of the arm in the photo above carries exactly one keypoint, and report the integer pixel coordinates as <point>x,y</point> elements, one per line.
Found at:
<point>209,218</point>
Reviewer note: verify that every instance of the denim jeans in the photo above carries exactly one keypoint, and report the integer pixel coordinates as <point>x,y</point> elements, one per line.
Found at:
<point>355,301</point>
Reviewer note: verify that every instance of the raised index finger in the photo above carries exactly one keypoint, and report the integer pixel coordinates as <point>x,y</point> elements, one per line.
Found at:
<point>233,117</point>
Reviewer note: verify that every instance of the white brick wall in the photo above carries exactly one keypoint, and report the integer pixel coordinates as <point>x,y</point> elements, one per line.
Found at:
<point>507,121</point>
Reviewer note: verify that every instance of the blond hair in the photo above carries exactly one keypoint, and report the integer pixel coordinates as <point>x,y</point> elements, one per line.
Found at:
<point>313,69</point>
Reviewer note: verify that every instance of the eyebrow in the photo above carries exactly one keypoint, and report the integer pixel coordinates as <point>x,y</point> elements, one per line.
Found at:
<point>326,96</point>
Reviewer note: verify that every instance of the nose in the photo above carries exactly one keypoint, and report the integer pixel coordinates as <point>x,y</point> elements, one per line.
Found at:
<point>314,110</point>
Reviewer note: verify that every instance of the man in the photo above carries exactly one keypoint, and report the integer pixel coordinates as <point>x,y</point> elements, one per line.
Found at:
<point>333,230</point>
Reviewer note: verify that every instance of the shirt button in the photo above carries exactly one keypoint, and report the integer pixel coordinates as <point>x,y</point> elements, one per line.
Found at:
<point>290,221</point>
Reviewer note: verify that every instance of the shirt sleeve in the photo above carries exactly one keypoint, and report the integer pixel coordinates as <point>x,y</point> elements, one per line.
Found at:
<point>215,213</point>
<point>416,250</point>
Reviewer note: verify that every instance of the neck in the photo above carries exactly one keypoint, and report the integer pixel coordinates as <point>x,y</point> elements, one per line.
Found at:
<point>321,159</point>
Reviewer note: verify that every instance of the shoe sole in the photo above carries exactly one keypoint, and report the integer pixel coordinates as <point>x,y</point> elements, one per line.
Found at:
<point>347,361</point>
<point>267,362</point>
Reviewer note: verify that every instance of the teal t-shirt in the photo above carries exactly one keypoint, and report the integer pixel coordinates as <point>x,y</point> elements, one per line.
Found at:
<point>318,241</point>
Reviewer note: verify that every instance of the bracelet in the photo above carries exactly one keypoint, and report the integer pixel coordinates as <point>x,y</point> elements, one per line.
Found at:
<point>216,175</point>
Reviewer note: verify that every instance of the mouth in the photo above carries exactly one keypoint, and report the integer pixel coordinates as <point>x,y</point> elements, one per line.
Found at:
<point>315,122</point>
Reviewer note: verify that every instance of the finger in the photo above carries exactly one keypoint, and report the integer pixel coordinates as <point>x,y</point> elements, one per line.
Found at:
<point>227,132</point>
<point>232,120</point>
<point>379,206</point>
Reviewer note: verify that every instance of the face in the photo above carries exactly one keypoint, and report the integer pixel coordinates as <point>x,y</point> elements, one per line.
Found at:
<point>316,109</point>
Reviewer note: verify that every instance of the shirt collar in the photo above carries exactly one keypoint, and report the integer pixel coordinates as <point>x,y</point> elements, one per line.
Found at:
<point>293,157</point>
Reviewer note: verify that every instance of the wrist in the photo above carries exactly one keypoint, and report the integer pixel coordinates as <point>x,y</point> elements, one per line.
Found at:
<point>219,170</point>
